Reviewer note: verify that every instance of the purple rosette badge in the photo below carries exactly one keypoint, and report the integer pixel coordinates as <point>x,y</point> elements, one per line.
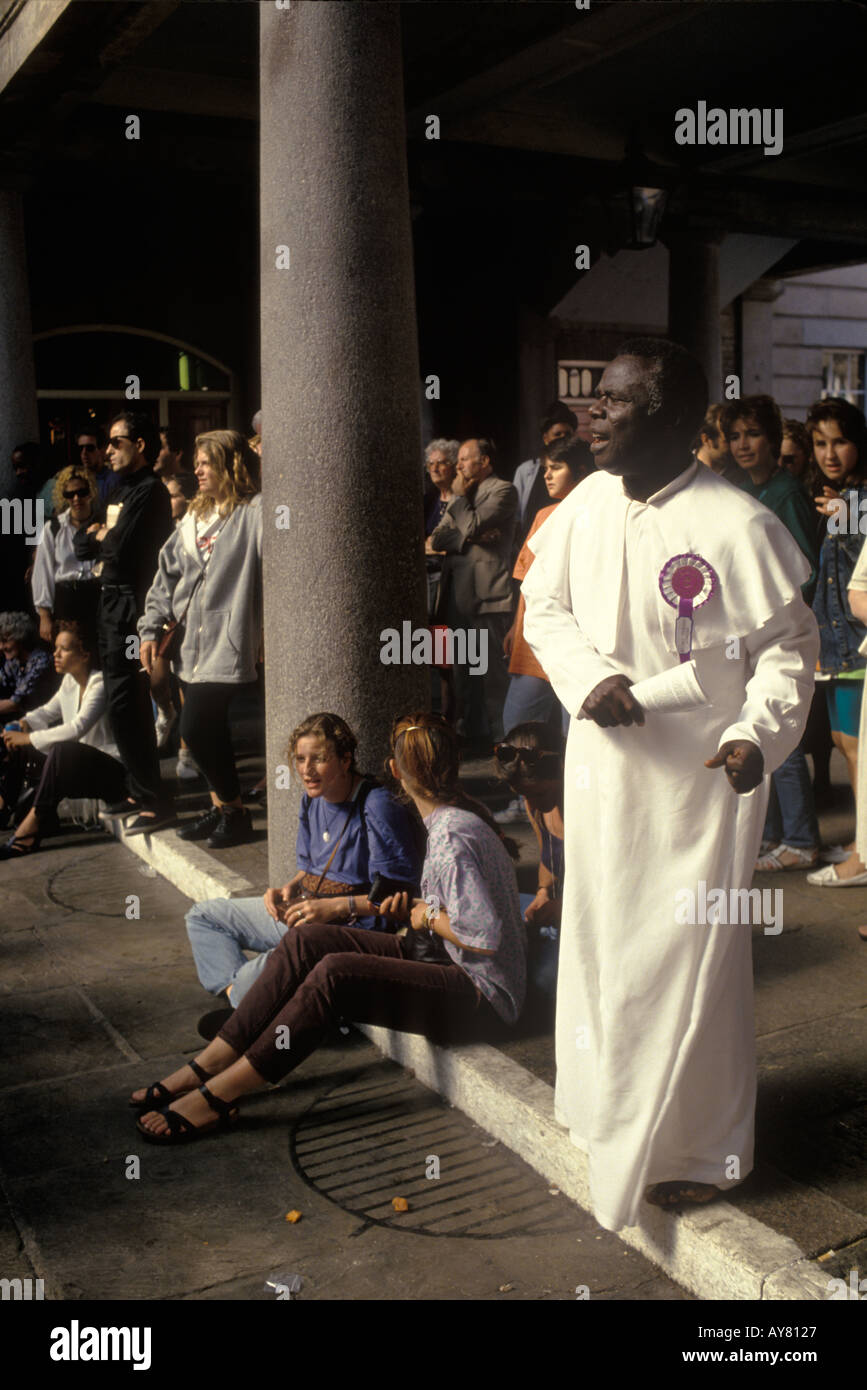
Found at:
<point>686,582</point>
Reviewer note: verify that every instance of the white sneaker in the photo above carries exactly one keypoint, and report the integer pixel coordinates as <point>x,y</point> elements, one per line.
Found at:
<point>165,723</point>
<point>185,769</point>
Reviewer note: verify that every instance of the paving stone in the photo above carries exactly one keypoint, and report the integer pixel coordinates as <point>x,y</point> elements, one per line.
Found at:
<point>50,1033</point>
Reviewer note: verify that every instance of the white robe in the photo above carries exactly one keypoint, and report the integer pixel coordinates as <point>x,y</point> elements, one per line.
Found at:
<point>655,1034</point>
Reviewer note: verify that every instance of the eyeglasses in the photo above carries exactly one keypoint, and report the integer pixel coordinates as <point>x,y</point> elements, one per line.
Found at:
<point>116,438</point>
<point>77,492</point>
<point>506,754</point>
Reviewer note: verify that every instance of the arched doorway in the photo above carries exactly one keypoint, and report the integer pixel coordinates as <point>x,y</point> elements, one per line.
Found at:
<point>82,376</point>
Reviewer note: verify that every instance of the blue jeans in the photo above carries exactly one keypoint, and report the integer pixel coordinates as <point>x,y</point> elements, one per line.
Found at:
<point>530,698</point>
<point>791,817</point>
<point>545,957</point>
<point>220,930</point>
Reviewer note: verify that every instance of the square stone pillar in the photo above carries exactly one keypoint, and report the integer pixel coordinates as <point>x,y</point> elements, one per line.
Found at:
<point>757,337</point>
<point>693,301</point>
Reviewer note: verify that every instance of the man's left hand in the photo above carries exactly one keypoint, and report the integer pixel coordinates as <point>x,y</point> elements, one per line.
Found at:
<point>743,762</point>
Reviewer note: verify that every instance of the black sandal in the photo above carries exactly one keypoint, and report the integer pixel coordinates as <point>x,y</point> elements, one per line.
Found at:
<point>16,849</point>
<point>182,1130</point>
<point>157,1094</point>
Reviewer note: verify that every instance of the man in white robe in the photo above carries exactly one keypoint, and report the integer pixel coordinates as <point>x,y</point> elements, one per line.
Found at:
<point>655,1033</point>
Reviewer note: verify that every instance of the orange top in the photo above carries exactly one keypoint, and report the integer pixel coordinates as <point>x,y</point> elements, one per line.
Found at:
<point>523,662</point>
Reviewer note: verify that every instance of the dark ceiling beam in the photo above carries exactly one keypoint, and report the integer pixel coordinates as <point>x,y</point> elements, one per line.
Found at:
<point>137,24</point>
<point>834,136</point>
<point>189,93</point>
<point>601,34</point>
<point>23,29</point>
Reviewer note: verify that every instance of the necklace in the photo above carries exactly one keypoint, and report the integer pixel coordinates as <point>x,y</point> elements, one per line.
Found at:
<point>328,831</point>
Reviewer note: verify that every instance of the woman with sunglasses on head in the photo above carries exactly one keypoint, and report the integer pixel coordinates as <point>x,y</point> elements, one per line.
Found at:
<point>531,762</point>
<point>468,923</point>
<point>64,586</point>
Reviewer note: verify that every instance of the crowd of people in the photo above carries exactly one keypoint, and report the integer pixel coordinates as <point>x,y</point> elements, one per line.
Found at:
<point>404,908</point>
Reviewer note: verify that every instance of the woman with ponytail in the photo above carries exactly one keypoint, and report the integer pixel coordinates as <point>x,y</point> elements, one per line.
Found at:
<point>321,973</point>
<point>209,583</point>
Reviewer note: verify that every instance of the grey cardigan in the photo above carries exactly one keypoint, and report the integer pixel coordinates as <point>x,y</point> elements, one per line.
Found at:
<point>222,624</point>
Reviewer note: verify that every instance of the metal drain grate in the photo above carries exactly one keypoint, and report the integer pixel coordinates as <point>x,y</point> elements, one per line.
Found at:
<point>371,1140</point>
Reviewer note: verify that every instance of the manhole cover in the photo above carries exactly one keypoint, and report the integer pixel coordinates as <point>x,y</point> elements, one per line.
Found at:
<point>374,1138</point>
<point>77,886</point>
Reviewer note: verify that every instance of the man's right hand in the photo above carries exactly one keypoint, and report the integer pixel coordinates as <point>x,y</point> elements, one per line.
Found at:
<point>610,704</point>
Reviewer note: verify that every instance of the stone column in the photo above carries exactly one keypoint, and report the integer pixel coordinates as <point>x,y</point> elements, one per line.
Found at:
<point>693,302</point>
<point>19,419</point>
<point>757,337</point>
<point>340,427</point>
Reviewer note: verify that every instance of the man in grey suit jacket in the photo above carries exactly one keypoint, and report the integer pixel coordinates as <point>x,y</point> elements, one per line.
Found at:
<point>476,538</point>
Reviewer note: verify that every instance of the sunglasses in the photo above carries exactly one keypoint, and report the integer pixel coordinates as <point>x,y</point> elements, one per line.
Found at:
<point>87,448</point>
<point>116,438</point>
<point>507,755</point>
<point>77,492</point>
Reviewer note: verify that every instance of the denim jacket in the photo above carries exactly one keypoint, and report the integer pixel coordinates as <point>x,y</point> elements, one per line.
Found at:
<point>841,634</point>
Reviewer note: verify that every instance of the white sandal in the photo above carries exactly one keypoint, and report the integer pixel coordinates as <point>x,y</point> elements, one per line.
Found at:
<point>828,877</point>
<point>772,861</point>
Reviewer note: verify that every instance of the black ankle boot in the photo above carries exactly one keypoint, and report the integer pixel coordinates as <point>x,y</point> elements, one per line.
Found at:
<point>203,825</point>
<point>234,828</point>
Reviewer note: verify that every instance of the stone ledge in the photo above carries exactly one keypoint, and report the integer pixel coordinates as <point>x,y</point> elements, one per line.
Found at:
<point>189,868</point>
<point>717,1252</point>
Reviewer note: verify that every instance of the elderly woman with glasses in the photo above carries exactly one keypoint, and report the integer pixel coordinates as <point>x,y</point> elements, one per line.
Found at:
<point>64,586</point>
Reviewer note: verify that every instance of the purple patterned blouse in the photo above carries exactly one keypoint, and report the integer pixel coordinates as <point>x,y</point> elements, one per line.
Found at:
<point>468,869</point>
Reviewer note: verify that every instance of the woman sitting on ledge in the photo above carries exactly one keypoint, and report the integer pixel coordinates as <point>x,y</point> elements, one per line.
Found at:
<point>467,926</point>
<point>71,732</point>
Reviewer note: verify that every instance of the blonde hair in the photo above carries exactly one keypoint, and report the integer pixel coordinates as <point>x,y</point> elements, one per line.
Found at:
<point>237,467</point>
<point>74,470</point>
<point>425,748</point>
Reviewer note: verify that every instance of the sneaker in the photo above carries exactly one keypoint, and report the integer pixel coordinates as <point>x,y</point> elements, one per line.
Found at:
<point>166,721</point>
<point>511,813</point>
<point>235,828</point>
<point>185,769</point>
<point>202,826</point>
